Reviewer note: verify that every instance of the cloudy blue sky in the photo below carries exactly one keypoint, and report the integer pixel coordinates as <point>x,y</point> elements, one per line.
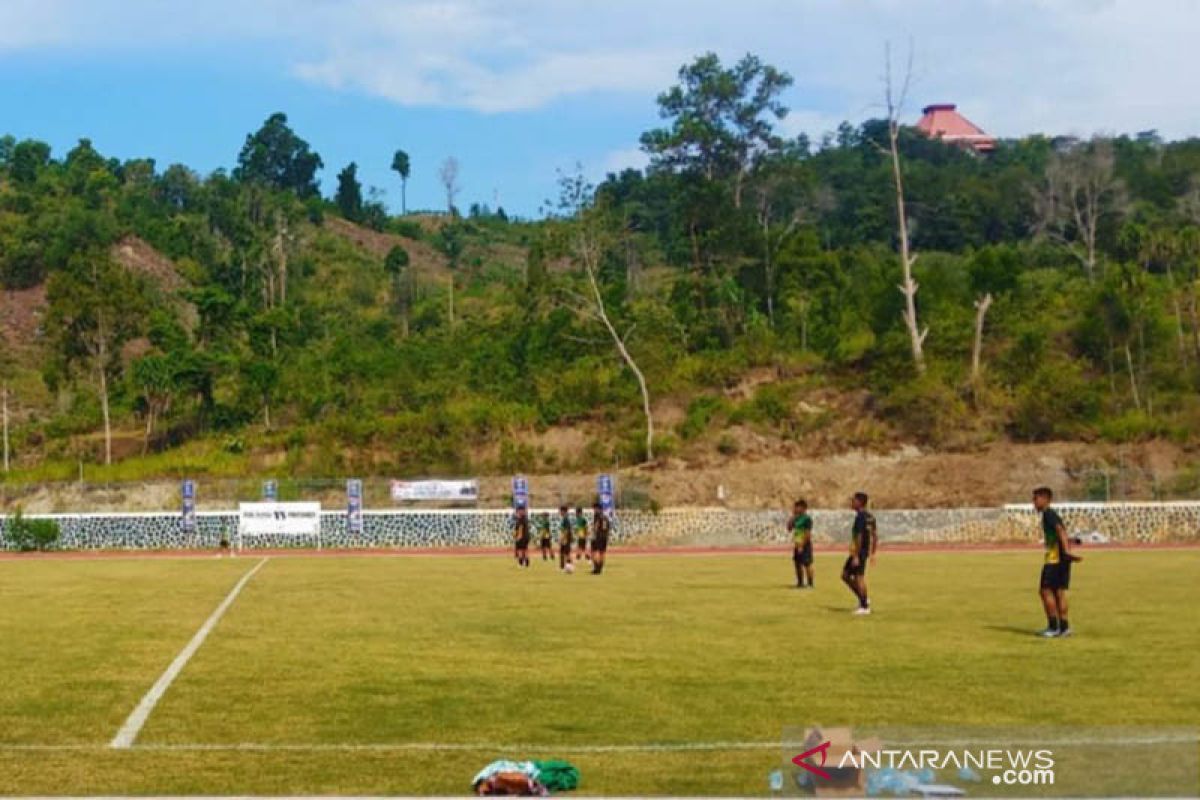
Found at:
<point>516,89</point>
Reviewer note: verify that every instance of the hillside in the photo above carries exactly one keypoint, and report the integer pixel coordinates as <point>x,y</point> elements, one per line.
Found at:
<point>157,323</point>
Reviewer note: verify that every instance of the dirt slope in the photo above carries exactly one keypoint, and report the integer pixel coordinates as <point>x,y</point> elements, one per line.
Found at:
<point>905,478</point>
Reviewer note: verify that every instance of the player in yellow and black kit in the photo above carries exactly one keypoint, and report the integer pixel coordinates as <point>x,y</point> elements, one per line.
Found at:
<point>1056,569</point>
<point>601,528</point>
<point>544,542</point>
<point>565,531</point>
<point>521,536</point>
<point>581,535</point>
<point>800,525</point>
<point>863,541</point>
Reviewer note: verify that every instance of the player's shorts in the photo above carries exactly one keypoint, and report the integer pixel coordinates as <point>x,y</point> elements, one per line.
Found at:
<point>581,543</point>
<point>544,543</point>
<point>600,544</point>
<point>1056,576</point>
<point>803,555</point>
<point>849,569</point>
<point>522,544</point>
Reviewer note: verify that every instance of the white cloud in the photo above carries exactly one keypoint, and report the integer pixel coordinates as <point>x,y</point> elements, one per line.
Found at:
<point>459,82</point>
<point>623,159</point>
<point>1014,66</point>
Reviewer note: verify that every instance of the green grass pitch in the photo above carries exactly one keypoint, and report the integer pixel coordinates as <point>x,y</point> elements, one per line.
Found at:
<point>368,675</point>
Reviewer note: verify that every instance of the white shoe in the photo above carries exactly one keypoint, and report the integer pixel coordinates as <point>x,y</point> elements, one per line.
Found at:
<point>862,612</point>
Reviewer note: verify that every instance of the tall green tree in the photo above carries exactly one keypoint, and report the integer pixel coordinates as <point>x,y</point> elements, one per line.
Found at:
<point>349,197</point>
<point>276,157</point>
<point>154,377</point>
<point>397,265</point>
<point>402,167</point>
<point>721,119</point>
<point>95,306</point>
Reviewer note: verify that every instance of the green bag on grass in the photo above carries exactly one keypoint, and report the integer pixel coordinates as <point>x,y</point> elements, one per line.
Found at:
<point>557,776</point>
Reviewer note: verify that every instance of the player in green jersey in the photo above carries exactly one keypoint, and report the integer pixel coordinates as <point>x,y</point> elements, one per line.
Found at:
<point>581,535</point>
<point>545,544</point>
<point>800,525</point>
<point>565,537</point>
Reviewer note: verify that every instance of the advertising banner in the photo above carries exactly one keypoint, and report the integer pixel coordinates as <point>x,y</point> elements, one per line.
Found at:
<point>604,492</point>
<point>520,492</point>
<point>279,519</point>
<point>464,490</point>
<point>354,506</point>
<point>189,506</point>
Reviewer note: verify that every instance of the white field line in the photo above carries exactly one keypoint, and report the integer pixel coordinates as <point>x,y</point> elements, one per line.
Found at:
<point>637,747</point>
<point>128,733</point>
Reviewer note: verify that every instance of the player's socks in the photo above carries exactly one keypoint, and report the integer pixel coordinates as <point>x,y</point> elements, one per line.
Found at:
<point>1063,626</point>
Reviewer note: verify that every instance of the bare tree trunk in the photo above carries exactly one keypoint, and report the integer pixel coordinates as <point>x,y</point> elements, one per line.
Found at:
<point>768,267</point>
<point>602,313</point>
<point>981,308</point>
<point>149,428</point>
<point>1180,336</point>
<point>102,382</point>
<point>1133,384</point>
<point>6,461</point>
<point>405,300</point>
<point>105,412</point>
<point>908,287</point>
<point>452,301</point>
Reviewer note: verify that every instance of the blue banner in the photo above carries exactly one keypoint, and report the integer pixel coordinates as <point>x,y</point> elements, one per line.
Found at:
<point>270,491</point>
<point>354,506</point>
<point>604,493</point>
<point>520,492</point>
<point>189,506</point>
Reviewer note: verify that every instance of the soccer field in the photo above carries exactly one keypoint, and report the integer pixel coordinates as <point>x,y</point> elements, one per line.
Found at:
<point>667,674</point>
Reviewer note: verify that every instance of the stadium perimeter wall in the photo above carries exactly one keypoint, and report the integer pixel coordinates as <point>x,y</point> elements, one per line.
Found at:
<point>1147,523</point>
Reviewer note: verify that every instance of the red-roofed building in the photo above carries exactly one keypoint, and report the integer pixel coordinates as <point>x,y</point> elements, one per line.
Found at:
<point>942,121</point>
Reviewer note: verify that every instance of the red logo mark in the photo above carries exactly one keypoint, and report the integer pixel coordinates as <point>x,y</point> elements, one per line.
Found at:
<point>800,761</point>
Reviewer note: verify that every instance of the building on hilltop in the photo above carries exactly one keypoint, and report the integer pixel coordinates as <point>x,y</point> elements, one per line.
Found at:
<point>942,121</point>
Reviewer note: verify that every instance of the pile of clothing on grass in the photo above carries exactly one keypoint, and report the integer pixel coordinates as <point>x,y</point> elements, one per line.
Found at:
<point>525,778</point>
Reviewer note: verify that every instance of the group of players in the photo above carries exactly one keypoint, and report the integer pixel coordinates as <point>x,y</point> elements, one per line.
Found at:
<point>1052,587</point>
<point>864,540</point>
<point>572,531</point>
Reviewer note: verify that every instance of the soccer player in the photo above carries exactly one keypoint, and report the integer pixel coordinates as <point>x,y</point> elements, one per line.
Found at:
<point>544,543</point>
<point>601,527</point>
<point>800,525</point>
<point>863,541</point>
<point>581,535</point>
<point>565,529</point>
<point>1056,571</point>
<point>521,536</point>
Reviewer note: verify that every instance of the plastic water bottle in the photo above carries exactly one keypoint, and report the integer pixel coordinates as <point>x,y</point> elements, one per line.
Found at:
<point>969,775</point>
<point>775,780</point>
